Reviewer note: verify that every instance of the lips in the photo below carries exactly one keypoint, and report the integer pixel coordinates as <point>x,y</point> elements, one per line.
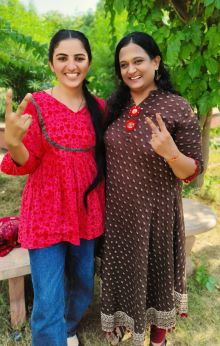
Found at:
<point>135,78</point>
<point>72,76</point>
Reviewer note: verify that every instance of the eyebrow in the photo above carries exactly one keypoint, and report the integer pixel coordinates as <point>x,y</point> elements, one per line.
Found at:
<point>136,57</point>
<point>77,55</point>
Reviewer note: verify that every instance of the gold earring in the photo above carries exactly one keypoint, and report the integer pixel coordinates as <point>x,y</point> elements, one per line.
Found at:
<point>157,77</point>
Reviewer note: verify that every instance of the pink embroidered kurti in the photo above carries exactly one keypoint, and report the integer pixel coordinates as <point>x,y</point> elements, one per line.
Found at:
<point>52,208</point>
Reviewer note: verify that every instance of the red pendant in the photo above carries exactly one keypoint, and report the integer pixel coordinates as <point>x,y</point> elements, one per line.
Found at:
<point>134,111</point>
<point>130,125</point>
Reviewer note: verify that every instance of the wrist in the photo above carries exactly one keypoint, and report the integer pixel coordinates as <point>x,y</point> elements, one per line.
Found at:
<point>174,157</point>
<point>13,144</point>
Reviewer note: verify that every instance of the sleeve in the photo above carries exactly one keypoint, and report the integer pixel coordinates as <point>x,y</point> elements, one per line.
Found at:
<point>33,143</point>
<point>187,137</point>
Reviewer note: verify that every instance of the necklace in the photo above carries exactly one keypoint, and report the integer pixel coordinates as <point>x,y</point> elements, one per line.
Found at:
<point>80,105</point>
<point>131,124</point>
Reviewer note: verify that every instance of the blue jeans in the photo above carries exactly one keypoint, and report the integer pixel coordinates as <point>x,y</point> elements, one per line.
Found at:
<point>59,300</point>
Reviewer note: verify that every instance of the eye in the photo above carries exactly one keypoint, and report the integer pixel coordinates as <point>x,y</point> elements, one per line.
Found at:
<point>79,58</point>
<point>61,58</point>
<point>138,61</point>
<point>123,65</point>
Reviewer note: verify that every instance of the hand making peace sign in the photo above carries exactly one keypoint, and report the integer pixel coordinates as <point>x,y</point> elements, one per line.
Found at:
<point>16,123</point>
<point>161,140</point>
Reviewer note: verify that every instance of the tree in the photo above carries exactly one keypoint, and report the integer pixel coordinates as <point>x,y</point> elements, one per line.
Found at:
<point>101,77</point>
<point>188,34</point>
<point>21,64</point>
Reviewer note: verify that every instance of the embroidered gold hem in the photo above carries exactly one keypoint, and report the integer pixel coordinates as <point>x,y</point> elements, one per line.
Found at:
<point>110,322</point>
<point>162,319</point>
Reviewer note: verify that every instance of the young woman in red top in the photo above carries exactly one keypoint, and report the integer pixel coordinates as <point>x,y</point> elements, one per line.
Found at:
<point>55,137</point>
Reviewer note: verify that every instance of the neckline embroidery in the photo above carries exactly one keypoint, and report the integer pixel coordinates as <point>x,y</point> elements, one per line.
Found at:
<point>49,140</point>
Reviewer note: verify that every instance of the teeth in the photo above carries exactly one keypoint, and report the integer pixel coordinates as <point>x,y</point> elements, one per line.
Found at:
<point>72,75</point>
<point>137,77</point>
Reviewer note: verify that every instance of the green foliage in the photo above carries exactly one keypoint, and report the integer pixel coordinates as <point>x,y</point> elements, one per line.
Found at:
<point>23,65</point>
<point>101,76</point>
<point>2,103</point>
<point>203,278</point>
<point>29,23</point>
<point>188,191</point>
<point>214,132</point>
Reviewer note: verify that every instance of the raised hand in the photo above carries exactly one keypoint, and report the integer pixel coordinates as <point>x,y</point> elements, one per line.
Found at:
<point>161,140</point>
<point>16,123</point>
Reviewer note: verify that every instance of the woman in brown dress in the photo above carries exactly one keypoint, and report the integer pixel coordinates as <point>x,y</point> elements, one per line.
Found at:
<point>152,145</point>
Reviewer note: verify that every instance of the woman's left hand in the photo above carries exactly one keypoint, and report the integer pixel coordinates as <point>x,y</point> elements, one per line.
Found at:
<point>161,140</point>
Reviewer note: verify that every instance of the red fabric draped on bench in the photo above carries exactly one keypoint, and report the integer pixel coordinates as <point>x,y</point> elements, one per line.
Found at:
<point>8,234</point>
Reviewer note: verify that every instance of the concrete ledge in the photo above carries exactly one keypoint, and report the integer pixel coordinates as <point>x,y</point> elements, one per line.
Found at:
<point>14,267</point>
<point>198,217</point>
<point>15,264</point>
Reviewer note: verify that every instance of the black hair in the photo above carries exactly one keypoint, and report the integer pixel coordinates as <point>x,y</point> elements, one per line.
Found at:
<point>91,102</point>
<point>121,96</point>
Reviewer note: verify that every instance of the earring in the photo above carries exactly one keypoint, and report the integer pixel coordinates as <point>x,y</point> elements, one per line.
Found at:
<point>157,77</point>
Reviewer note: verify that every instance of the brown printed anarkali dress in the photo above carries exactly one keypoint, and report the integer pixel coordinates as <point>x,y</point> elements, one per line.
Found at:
<point>143,264</point>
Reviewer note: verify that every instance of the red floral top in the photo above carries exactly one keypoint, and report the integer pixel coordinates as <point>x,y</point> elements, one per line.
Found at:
<point>52,208</point>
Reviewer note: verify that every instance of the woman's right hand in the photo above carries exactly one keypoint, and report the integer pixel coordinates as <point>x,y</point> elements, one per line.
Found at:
<point>16,123</point>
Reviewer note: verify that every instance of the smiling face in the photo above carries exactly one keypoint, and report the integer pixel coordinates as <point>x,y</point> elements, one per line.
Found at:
<point>70,63</point>
<point>137,68</point>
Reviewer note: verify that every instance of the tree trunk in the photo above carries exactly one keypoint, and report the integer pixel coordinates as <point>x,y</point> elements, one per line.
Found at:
<point>205,124</point>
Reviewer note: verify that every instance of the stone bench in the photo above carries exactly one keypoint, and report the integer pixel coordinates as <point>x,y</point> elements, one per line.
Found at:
<point>14,267</point>
<point>198,219</point>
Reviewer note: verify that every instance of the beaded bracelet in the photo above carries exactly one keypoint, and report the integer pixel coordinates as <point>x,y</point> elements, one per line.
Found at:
<point>194,175</point>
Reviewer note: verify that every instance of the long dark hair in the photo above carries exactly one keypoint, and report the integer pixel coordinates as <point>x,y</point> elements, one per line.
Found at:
<point>121,96</point>
<point>92,104</point>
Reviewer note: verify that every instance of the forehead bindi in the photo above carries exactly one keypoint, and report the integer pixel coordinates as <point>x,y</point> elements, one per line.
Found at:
<point>70,47</point>
<point>132,51</point>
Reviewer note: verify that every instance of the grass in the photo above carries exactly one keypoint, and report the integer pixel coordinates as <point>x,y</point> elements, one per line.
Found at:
<point>10,194</point>
<point>201,328</point>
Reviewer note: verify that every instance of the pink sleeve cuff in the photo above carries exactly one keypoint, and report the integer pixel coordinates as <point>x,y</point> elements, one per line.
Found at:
<point>8,166</point>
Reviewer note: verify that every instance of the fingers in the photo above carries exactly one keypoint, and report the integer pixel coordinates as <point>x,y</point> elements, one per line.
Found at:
<point>151,124</point>
<point>27,120</point>
<point>162,127</point>
<point>161,122</point>
<point>23,105</point>
<point>8,102</point>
